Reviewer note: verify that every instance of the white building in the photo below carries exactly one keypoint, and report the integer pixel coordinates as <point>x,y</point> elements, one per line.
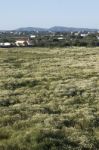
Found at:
<point>83,34</point>
<point>20,43</point>
<point>32,36</point>
<point>60,38</point>
<point>5,44</point>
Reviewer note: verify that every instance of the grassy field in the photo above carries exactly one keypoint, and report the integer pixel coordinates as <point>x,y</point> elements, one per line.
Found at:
<point>49,99</point>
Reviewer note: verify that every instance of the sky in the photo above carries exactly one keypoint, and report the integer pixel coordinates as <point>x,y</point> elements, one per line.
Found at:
<point>49,13</point>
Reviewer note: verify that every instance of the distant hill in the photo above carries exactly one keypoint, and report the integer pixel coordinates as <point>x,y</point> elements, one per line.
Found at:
<point>55,29</point>
<point>30,29</point>
<point>70,29</point>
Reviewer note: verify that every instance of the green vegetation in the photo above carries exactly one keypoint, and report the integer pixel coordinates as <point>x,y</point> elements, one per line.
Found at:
<point>45,39</point>
<point>49,99</point>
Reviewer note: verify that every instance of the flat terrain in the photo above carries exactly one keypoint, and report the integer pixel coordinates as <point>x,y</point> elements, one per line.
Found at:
<point>49,99</point>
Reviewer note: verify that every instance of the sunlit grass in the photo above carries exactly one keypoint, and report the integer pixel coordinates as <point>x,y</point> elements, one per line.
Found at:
<point>49,98</point>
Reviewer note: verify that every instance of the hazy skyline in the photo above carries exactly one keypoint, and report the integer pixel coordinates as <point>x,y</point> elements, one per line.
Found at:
<point>48,13</point>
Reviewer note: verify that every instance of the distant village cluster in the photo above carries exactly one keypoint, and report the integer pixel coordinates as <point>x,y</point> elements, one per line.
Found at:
<point>10,40</point>
<point>33,38</point>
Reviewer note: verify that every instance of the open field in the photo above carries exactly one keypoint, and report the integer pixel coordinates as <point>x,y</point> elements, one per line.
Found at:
<point>49,99</point>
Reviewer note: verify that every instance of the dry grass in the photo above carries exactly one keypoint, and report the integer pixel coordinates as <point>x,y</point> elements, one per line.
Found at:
<point>49,99</point>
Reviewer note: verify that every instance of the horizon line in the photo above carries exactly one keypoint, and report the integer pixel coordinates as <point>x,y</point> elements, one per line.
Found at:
<point>93,28</point>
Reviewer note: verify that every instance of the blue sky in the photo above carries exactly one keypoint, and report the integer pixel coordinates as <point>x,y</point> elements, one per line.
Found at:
<point>48,13</point>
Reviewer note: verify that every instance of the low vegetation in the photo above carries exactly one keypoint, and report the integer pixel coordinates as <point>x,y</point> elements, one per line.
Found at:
<point>49,99</point>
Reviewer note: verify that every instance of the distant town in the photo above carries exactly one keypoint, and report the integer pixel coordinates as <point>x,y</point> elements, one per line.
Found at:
<point>49,38</point>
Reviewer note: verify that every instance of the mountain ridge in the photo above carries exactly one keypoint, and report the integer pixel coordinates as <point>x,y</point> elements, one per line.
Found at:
<point>55,29</point>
